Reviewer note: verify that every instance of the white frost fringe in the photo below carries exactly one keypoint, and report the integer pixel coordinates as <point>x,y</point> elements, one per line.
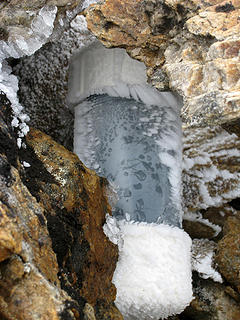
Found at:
<point>153,273</point>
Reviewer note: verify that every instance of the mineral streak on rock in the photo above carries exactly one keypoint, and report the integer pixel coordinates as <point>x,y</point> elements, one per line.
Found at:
<point>75,206</point>
<point>194,44</point>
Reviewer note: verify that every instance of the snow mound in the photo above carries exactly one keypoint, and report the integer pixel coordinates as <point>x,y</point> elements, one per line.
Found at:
<point>153,273</point>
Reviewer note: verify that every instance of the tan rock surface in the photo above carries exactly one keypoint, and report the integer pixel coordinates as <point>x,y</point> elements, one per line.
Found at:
<point>190,47</point>
<point>29,284</point>
<point>36,282</point>
<point>25,294</point>
<point>228,252</point>
<point>211,168</point>
<point>212,302</point>
<point>75,206</point>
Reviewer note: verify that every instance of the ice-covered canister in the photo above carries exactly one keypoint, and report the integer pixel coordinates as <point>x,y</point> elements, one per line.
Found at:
<point>130,133</point>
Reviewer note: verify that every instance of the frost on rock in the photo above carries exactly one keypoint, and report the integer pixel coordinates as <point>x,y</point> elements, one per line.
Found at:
<point>22,43</point>
<point>210,168</point>
<point>87,3</point>
<point>26,41</point>
<point>202,259</point>
<point>153,273</point>
<point>9,85</point>
<point>52,63</point>
<point>197,216</point>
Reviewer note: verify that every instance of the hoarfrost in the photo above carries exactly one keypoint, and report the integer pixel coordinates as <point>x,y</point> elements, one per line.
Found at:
<point>202,259</point>
<point>26,164</point>
<point>87,3</point>
<point>16,47</point>
<point>197,216</point>
<point>210,157</point>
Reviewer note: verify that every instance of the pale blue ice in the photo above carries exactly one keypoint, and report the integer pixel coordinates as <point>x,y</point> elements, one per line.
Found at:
<point>129,158</point>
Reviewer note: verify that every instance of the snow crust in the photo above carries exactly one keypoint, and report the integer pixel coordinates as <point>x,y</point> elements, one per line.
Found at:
<point>153,273</point>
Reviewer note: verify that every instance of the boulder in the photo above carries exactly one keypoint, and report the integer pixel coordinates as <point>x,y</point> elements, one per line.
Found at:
<point>228,252</point>
<point>189,47</point>
<point>29,283</point>
<point>212,302</point>
<point>75,205</point>
<point>55,260</point>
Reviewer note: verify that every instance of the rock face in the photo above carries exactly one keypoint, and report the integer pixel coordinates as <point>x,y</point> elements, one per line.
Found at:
<point>75,208</point>
<point>188,46</point>
<point>28,265</point>
<point>52,246</point>
<point>212,302</point>
<point>211,161</point>
<point>228,252</point>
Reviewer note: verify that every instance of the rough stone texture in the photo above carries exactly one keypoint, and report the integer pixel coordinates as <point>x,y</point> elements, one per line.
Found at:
<point>212,302</point>
<point>198,230</point>
<point>211,162</point>
<point>219,215</point>
<point>75,207</point>
<point>190,47</point>
<point>208,224</point>
<point>28,265</point>
<point>17,17</point>
<point>228,252</point>
<point>54,255</point>
<point>47,89</point>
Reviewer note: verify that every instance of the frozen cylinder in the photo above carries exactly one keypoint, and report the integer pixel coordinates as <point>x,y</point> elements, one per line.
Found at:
<point>126,149</point>
<point>129,133</point>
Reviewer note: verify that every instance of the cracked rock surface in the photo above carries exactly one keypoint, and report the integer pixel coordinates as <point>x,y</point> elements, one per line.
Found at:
<point>191,47</point>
